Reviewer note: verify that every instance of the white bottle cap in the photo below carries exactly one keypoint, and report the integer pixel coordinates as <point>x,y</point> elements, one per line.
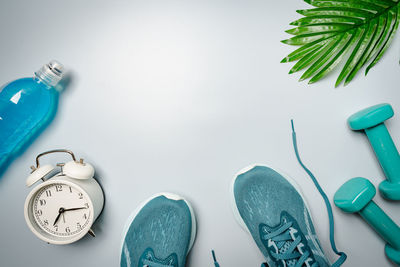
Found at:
<point>51,73</point>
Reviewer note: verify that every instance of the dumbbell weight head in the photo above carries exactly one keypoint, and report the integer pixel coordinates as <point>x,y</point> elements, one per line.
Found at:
<point>390,190</point>
<point>392,253</point>
<point>354,195</point>
<point>370,117</point>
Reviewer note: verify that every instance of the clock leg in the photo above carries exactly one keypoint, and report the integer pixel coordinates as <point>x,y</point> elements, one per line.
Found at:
<point>90,232</point>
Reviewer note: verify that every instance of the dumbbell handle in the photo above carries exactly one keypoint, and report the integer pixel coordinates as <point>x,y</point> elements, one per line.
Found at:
<point>385,151</point>
<point>382,224</point>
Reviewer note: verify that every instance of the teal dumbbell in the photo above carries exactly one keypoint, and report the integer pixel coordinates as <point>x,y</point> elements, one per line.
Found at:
<point>356,196</point>
<point>371,120</point>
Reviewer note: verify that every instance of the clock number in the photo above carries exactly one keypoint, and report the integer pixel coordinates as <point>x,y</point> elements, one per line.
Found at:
<point>48,193</point>
<point>84,216</point>
<point>70,189</point>
<point>46,222</point>
<point>67,230</point>
<point>56,226</point>
<point>42,202</point>
<point>86,205</point>
<point>80,196</point>
<point>58,188</point>
<point>78,226</point>
<point>39,212</point>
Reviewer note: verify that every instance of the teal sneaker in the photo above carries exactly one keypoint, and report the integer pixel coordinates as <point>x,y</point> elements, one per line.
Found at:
<point>269,206</point>
<point>159,233</point>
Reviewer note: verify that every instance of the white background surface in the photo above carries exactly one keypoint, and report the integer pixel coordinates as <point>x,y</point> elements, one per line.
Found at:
<point>178,96</point>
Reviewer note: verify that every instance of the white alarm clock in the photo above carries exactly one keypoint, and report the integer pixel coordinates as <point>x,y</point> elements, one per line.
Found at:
<point>62,209</point>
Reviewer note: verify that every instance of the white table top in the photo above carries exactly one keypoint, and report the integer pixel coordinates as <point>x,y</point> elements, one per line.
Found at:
<point>178,96</point>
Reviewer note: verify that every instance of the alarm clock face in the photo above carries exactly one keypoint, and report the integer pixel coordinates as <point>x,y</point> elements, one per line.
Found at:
<point>59,212</point>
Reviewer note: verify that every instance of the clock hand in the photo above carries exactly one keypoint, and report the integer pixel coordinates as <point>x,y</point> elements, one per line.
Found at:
<point>75,209</point>
<point>60,211</point>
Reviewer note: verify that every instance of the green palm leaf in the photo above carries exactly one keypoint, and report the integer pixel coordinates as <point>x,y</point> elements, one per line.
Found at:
<point>358,31</point>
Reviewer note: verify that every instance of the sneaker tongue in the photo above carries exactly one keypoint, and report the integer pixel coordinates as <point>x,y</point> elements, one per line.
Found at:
<point>283,246</point>
<point>283,249</point>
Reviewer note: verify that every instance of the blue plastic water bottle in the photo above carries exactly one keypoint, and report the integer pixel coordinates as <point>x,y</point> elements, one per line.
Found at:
<point>27,106</point>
